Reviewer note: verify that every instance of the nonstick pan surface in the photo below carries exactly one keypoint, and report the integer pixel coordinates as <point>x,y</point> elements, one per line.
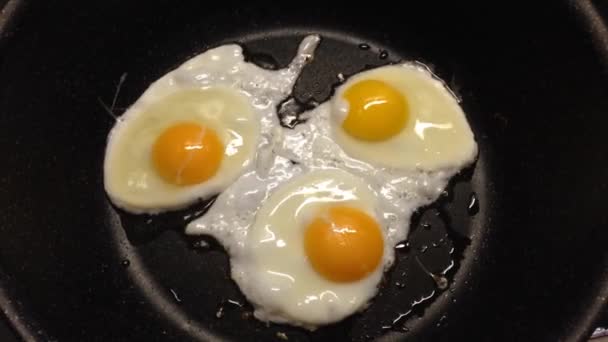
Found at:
<point>525,228</point>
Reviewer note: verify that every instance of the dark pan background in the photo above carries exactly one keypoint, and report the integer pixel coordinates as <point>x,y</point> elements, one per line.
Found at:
<point>550,241</point>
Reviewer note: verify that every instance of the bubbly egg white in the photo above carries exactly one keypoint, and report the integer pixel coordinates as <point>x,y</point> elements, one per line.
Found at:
<point>242,109</point>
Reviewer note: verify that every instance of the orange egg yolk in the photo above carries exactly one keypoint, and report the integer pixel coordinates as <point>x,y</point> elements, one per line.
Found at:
<point>376,111</point>
<point>344,244</point>
<point>187,153</point>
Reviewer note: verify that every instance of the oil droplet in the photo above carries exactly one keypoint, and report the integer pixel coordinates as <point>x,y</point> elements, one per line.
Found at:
<point>220,313</point>
<point>230,304</point>
<point>399,328</point>
<point>201,244</point>
<point>383,54</point>
<point>441,281</point>
<point>403,247</point>
<point>235,303</point>
<point>364,46</point>
<point>442,321</point>
<point>426,226</point>
<point>281,335</point>
<point>289,112</point>
<point>423,248</point>
<point>175,296</point>
<point>473,207</point>
<point>125,263</point>
<point>400,285</point>
<point>398,324</point>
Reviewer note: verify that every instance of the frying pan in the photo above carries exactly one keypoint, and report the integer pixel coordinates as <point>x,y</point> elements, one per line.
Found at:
<point>520,237</point>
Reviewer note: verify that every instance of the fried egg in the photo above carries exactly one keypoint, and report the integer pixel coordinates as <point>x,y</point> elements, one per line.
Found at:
<point>196,129</point>
<point>307,247</point>
<point>401,116</point>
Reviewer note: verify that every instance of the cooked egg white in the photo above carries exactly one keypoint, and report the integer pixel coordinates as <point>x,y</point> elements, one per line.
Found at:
<point>196,129</point>
<point>265,224</point>
<point>399,116</point>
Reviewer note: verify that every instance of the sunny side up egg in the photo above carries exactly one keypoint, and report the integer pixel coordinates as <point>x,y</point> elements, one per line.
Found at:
<point>307,247</point>
<point>401,116</point>
<point>196,129</point>
<point>395,117</point>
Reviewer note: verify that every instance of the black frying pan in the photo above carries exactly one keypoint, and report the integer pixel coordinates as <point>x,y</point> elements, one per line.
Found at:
<point>530,257</point>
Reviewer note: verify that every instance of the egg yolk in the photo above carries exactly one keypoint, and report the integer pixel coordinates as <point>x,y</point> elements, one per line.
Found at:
<point>344,245</point>
<point>376,111</point>
<point>187,153</point>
